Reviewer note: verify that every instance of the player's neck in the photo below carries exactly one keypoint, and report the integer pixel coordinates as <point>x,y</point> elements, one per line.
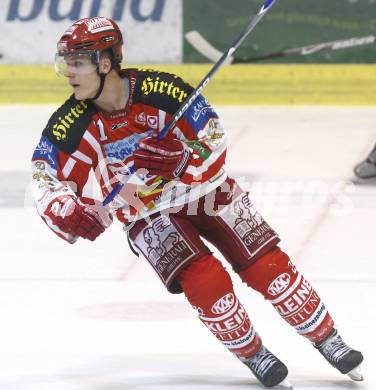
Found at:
<point>115,93</point>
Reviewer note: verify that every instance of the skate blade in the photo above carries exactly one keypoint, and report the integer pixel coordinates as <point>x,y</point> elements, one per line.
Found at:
<point>356,374</point>
<point>285,384</point>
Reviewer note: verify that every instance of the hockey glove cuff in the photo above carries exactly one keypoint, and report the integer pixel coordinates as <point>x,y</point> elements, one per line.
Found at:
<point>168,158</point>
<point>82,217</point>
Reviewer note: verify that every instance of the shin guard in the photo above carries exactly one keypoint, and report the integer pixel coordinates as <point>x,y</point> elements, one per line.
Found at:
<point>278,280</point>
<point>208,287</point>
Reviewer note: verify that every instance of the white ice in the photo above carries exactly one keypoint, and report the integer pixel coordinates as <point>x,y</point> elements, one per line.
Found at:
<point>92,316</point>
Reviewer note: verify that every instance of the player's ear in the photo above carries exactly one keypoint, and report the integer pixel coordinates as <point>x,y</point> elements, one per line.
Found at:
<point>104,64</point>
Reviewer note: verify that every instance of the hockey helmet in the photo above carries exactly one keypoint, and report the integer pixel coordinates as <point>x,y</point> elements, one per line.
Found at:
<point>89,37</point>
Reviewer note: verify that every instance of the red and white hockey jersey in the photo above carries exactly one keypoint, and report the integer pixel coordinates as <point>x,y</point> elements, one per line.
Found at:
<point>79,137</point>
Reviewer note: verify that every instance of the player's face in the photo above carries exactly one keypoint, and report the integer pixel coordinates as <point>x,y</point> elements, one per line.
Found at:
<point>82,75</point>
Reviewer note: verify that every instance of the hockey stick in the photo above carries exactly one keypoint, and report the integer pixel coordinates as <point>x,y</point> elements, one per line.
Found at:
<point>210,52</point>
<point>205,81</point>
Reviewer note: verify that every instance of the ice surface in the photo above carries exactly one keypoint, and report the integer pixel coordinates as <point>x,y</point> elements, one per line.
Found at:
<point>92,316</point>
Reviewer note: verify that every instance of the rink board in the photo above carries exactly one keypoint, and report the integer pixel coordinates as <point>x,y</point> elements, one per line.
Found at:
<point>261,84</point>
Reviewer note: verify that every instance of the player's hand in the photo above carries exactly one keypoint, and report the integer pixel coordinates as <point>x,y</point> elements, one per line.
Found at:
<point>168,158</point>
<point>82,217</point>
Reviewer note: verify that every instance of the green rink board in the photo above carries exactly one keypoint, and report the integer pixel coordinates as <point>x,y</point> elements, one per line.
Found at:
<point>288,24</point>
<point>276,84</point>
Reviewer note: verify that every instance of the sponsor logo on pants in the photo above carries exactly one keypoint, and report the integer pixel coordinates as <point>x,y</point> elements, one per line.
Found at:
<point>242,217</point>
<point>164,247</point>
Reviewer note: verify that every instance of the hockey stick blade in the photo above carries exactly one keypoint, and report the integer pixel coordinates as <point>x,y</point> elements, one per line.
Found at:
<point>204,82</point>
<point>204,47</point>
<point>209,51</point>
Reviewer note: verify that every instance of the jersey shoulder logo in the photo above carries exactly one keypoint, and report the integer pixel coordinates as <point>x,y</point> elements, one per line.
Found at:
<point>161,90</point>
<point>68,124</point>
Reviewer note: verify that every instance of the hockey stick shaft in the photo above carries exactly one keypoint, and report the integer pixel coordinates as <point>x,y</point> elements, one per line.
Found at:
<point>205,81</point>
<point>311,49</point>
<point>210,52</point>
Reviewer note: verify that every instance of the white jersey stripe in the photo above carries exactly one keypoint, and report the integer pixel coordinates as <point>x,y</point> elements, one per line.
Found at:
<point>195,171</point>
<point>69,165</point>
<point>162,119</point>
<point>101,161</point>
<point>81,156</point>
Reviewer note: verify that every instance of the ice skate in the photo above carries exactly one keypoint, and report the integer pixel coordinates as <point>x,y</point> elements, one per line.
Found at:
<point>367,168</point>
<point>268,369</point>
<point>341,356</point>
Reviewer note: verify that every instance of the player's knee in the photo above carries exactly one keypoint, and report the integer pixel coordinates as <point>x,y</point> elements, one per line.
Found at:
<point>207,277</point>
<point>270,274</point>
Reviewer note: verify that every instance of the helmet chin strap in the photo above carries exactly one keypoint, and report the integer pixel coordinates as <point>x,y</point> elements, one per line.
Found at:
<point>102,77</point>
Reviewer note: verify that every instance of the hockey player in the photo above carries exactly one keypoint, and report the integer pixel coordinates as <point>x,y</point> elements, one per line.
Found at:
<point>367,169</point>
<point>176,192</point>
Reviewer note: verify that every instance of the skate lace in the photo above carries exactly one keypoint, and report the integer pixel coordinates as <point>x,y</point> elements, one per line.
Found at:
<point>261,362</point>
<point>335,349</point>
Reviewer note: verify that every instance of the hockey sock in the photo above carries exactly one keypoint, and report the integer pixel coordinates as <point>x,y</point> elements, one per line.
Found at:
<point>278,280</point>
<point>208,288</point>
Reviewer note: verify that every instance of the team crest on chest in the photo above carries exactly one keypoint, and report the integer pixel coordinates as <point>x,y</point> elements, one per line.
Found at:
<point>152,121</point>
